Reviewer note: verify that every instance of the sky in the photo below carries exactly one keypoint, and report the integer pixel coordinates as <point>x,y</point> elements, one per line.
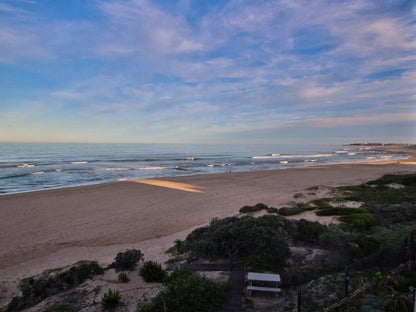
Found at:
<point>208,71</point>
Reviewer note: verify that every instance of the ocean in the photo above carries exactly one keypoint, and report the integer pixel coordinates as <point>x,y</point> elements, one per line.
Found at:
<point>26,167</point>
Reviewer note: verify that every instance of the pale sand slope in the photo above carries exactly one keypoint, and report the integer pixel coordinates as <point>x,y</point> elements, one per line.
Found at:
<point>48,229</point>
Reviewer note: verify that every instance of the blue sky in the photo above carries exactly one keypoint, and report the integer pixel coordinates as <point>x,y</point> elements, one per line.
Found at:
<point>208,71</point>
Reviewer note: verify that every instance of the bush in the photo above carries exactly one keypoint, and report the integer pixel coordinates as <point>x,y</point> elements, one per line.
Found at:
<point>257,241</point>
<point>127,260</point>
<point>122,277</point>
<point>111,299</point>
<point>50,283</point>
<point>359,221</point>
<point>186,292</point>
<point>291,211</point>
<point>322,203</point>
<point>249,209</point>
<point>152,272</point>
<point>339,211</point>
<point>272,210</point>
<point>308,231</point>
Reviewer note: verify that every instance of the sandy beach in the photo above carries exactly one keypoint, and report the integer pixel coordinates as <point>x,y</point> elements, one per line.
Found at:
<point>48,229</point>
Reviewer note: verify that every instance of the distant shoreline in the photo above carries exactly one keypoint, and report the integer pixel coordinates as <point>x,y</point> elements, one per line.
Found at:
<point>406,150</point>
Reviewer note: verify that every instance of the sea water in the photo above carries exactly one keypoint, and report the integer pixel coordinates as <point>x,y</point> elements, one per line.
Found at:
<point>38,166</point>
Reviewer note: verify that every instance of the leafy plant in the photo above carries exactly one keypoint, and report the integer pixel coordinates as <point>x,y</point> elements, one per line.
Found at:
<point>339,211</point>
<point>122,277</point>
<point>187,292</point>
<point>152,272</point>
<point>249,209</point>
<point>127,260</point>
<point>110,299</point>
<point>259,242</point>
<point>359,221</point>
<point>52,282</point>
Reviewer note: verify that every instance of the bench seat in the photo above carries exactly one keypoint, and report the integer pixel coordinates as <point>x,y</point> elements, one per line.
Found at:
<point>258,288</point>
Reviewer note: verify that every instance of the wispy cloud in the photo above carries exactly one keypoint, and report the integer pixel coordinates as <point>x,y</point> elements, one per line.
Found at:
<point>187,69</point>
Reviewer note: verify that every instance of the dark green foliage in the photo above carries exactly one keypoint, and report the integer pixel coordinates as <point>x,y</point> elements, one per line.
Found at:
<point>34,290</point>
<point>307,231</point>
<point>347,246</point>
<point>122,277</point>
<point>339,211</point>
<point>127,260</point>
<point>359,221</point>
<point>60,307</point>
<point>259,242</point>
<point>291,211</point>
<point>322,203</point>
<point>272,210</point>
<point>261,206</point>
<point>257,207</point>
<point>186,292</point>
<point>152,272</point>
<point>110,299</point>
<point>404,179</point>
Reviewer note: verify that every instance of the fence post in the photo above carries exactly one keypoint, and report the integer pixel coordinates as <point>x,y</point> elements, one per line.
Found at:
<point>347,279</point>
<point>299,299</point>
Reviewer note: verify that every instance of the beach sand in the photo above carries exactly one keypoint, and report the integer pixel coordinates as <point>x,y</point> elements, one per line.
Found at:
<point>55,228</point>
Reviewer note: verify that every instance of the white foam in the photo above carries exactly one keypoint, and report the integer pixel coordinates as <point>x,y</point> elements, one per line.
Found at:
<point>112,169</point>
<point>190,158</point>
<point>341,152</point>
<point>150,168</point>
<point>58,170</point>
<point>284,162</point>
<point>210,165</point>
<point>39,172</point>
<point>352,154</point>
<point>292,156</point>
<point>79,162</point>
<point>122,179</point>
<point>25,166</point>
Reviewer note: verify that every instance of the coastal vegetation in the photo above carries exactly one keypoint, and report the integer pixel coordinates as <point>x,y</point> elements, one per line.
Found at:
<point>52,282</point>
<point>152,272</point>
<point>111,299</point>
<point>259,242</point>
<point>127,261</point>
<point>187,292</point>
<point>375,240</point>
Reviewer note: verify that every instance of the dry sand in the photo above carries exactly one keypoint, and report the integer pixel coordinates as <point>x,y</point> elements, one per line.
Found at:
<point>48,229</point>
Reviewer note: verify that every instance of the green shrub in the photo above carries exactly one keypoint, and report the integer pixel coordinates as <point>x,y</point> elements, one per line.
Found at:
<point>50,283</point>
<point>308,231</point>
<point>272,210</point>
<point>261,206</point>
<point>110,299</point>
<point>257,241</point>
<point>186,292</point>
<point>339,211</point>
<point>60,307</point>
<point>359,221</point>
<point>322,203</point>
<point>291,211</point>
<point>404,179</point>
<point>127,260</point>
<point>122,277</point>
<point>152,272</point>
<point>257,207</point>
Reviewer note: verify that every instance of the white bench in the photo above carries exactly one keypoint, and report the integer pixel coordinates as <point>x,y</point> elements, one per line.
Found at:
<point>263,278</point>
<point>271,289</point>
